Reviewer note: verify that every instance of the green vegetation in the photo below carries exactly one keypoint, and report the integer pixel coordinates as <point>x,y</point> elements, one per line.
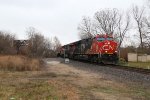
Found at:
<point>144,65</point>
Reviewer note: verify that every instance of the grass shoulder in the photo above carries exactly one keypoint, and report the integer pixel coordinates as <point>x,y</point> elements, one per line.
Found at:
<point>144,65</point>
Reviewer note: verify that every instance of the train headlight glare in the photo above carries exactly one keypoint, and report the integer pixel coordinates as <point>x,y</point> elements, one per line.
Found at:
<point>106,51</point>
<point>115,51</point>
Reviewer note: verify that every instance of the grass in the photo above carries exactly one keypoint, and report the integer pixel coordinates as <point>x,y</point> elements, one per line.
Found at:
<point>35,90</point>
<point>135,92</point>
<point>54,85</point>
<point>26,86</point>
<point>144,65</point>
<point>19,63</point>
<point>17,86</point>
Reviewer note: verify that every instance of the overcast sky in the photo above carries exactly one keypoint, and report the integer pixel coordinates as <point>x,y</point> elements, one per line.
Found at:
<point>53,17</point>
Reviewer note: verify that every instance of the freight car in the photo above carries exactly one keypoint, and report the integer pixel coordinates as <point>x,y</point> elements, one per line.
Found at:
<point>100,49</point>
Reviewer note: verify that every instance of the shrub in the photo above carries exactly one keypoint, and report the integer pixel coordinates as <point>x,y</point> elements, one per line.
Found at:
<point>19,63</point>
<point>6,43</point>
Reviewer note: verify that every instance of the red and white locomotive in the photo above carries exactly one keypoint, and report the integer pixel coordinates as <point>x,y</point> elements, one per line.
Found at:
<point>101,48</point>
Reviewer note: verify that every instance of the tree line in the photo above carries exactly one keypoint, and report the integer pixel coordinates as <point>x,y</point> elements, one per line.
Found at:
<point>120,24</point>
<point>37,45</point>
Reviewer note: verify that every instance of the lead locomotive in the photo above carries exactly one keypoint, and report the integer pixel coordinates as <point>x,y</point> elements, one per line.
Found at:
<point>101,49</point>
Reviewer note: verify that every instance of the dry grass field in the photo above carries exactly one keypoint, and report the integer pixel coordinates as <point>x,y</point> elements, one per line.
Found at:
<point>18,63</point>
<point>60,81</point>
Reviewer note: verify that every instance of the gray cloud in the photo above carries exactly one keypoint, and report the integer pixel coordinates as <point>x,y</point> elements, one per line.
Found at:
<point>53,17</point>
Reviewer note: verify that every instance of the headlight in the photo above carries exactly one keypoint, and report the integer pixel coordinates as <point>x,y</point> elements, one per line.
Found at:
<point>116,51</point>
<point>106,51</point>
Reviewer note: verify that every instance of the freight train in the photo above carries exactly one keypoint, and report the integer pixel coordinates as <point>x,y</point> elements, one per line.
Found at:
<point>100,49</point>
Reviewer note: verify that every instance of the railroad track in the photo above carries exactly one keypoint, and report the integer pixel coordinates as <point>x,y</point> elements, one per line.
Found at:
<point>126,68</point>
<point>132,69</point>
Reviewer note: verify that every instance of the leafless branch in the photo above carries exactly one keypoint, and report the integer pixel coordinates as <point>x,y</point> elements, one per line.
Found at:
<point>107,20</point>
<point>138,17</point>
<point>123,26</point>
<point>86,29</point>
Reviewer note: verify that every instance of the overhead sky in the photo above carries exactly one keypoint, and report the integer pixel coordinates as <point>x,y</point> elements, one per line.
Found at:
<point>53,17</point>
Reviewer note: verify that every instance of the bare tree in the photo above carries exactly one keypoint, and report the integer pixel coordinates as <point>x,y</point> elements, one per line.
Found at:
<point>107,20</point>
<point>146,35</point>
<point>124,25</point>
<point>56,43</point>
<point>38,44</point>
<point>6,43</point>
<point>86,28</point>
<point>147,22</point>
<point>138,15</point>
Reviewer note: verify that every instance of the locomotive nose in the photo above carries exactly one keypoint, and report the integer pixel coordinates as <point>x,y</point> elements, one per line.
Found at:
<point>107,42</point>
<point>107,47</point>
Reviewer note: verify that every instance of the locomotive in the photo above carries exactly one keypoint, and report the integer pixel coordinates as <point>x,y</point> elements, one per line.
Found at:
<point>100,49</point>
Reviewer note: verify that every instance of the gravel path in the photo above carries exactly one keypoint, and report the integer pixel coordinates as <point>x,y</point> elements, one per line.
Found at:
<point>111,73</point>
<point>95,82</point>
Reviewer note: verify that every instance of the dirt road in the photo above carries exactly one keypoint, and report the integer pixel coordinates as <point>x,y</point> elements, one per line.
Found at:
<point>90,85</point>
